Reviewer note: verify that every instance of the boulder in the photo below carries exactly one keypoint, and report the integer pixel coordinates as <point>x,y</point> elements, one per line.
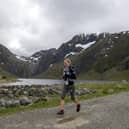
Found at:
<point>125,82</point>
<point>25,101</point>
<point>2,103</point>
<point>10,94</point>
<point>16,103</point>
<point>9,103</point>
<point>84,91</point>
<point>35,100</point>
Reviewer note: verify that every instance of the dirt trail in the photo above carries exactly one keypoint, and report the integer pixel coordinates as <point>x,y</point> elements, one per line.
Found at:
<point>111,112</point>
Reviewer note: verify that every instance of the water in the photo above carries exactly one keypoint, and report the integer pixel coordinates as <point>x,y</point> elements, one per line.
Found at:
<point>29,82</point>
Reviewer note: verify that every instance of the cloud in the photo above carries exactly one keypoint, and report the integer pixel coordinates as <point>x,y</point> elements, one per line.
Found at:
<point>27,26</point>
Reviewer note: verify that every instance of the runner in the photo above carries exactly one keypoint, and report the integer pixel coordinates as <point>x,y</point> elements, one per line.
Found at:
<point>69,76</point>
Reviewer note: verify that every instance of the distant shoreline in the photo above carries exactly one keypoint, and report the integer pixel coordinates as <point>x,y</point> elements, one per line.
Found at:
<point>49,82</point>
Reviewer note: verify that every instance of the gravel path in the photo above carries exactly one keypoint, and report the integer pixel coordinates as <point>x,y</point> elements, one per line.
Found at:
<point>110,112</point>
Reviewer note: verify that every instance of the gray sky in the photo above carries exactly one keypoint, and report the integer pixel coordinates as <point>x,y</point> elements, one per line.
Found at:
<point>27,26</point>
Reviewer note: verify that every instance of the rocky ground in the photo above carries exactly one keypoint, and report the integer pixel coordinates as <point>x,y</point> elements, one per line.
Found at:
<point>13,96</point>
<point>110,112</point>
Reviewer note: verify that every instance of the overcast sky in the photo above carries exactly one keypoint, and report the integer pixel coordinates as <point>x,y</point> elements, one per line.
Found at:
<point>27,26</point>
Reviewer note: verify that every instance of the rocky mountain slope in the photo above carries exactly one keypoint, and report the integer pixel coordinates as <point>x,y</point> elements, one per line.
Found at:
<point>95,56</point>
<point>105,58</point>
<point>9,63</point>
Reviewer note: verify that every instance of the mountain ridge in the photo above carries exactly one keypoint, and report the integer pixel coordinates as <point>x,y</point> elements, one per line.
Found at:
<point>93,55</point>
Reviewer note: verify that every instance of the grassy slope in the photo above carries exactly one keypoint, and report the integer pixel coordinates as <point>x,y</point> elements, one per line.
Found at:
<point>94,66</point>
<point>112,74</point>
<point>55,72</point>
<point>10,77</point>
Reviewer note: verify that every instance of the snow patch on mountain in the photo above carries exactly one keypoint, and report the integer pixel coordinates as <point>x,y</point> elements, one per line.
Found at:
<point>71,53</point>
<point>104,35</point>
<point>85,46</point>
<point>28,59</point>
<point>116,37</point>
<point>50,65</point>
<point>69,44</point>
<point>35,59</point>
<point>21,58</point>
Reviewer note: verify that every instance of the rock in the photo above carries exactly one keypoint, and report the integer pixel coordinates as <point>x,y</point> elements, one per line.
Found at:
<point>12,103</point>
<point>32,92</point>
<point>16,103</point>
<point>52,91</point>
<point>9,104</point>
<point>4,91</point>
<point>125,81</point>
<point>1,91</point>
<point>44,98</point>
<point>25,101</point>
<point>25,93</point>
<point>10,94</point>
<point>2,103</point>
<point>17,92</point>
<point>44,91</point>
<point>39,92</point>
<point>35,100</point>
<point>84,91</point>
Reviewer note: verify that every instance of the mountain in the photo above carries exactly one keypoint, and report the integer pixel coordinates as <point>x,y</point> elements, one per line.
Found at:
<point>52,56</point>
<point>106,56</point>
<point>95,56</point>
<point>10,63</point>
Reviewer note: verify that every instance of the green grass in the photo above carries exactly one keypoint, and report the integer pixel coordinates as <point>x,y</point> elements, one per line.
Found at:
<point>111,74</point>
<point>8,80</point>
<point>102,90</point>
<point>9,77</point>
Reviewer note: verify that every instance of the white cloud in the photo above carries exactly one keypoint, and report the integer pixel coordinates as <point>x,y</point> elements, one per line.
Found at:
<point>27,26</point>
<point>14,44</point>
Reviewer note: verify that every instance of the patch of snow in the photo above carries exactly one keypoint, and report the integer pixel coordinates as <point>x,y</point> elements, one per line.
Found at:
<point>53,53</point>
<point>21,58</point>
<point>71,53</point>
<point>50,65</point>
<point>106,55</point>
<point>124,32</point>
<point>69,44</point>
<point>104,35</point>
<point>18,57</point>
<point>108,48</point>
<point>111,46</point>
<point>97,33</point>
<point>86,45</point>
<point>35,58</point>
<point>2,63</point>
<point>116,37</point>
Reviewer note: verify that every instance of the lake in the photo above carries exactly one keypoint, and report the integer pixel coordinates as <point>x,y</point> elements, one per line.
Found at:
<point>29,82</point>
